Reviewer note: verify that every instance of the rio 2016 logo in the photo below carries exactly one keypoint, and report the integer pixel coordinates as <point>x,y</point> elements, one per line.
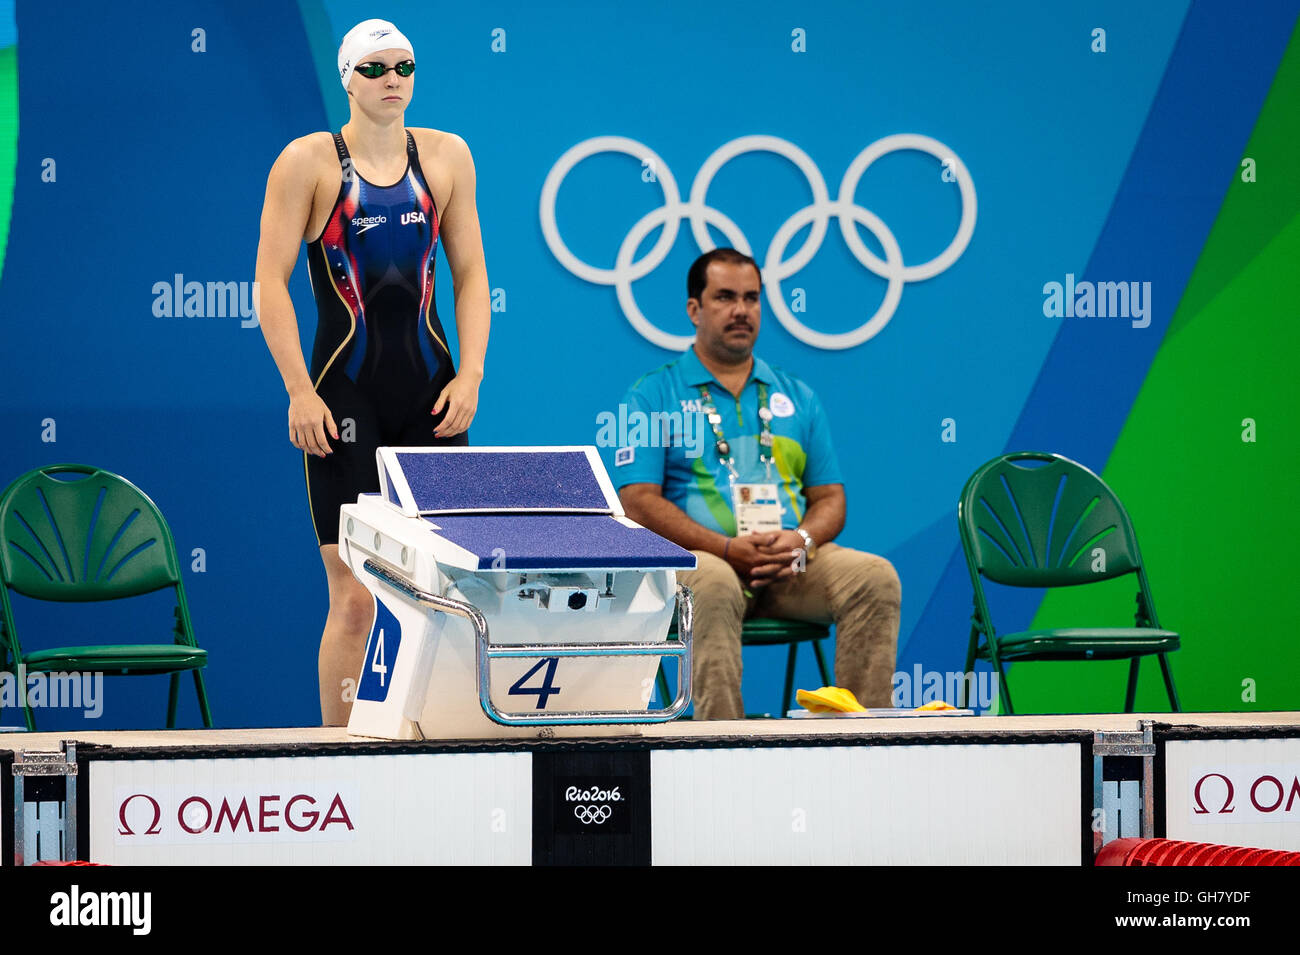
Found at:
<point>593,803</point>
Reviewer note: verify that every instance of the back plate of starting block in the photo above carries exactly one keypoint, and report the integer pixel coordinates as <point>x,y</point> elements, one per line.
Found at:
<point>428,481</point>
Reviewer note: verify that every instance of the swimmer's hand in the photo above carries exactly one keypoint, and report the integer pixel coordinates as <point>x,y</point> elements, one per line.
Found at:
<point>309,420</point>
<point>460,398</point>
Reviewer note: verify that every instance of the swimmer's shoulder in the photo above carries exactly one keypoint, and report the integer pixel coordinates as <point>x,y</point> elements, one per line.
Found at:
<point>309,155</point>
<point>439,146</point>
<point>316,149</point>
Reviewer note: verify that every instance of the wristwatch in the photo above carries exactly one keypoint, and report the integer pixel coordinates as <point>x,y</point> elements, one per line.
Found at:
<point>809,545</point>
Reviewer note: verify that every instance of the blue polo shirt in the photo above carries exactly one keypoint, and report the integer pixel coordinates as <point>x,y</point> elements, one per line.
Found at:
<point>664,438</point>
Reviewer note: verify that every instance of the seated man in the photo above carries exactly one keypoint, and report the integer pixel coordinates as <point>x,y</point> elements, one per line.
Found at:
<point>760,506</point>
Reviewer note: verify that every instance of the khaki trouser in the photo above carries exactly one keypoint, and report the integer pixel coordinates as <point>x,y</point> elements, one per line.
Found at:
<point>859,592</point>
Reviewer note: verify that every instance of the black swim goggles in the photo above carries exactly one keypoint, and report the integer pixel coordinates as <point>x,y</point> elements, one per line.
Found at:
<point>375,70</point>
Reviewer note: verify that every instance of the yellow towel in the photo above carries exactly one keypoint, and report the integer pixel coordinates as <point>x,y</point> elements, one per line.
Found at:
<point>829,699</point>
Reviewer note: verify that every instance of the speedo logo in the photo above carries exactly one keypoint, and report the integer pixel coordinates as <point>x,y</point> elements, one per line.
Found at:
<point>368,222</point>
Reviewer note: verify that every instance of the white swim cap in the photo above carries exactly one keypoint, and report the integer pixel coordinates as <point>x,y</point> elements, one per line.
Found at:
<point>367,37</point>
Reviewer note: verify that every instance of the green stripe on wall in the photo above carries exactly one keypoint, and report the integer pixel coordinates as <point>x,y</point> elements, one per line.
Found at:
<point>8,141</point>
<point>1216,516</point>
<point>1253,212</point>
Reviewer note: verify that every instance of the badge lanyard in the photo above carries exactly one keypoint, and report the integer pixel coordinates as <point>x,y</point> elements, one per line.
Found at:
<point>724,449</point>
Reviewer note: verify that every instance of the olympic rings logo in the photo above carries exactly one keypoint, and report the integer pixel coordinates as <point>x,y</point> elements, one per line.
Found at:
<point>592,814</point>
<point>775,267</point>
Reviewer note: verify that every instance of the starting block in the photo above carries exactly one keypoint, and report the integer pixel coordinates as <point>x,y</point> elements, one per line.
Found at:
<point>511,593</point>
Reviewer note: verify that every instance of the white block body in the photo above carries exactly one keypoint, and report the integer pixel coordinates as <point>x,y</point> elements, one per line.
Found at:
<point>419,672</point>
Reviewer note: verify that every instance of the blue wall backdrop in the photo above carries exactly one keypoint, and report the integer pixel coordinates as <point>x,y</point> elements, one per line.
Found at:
<point>143,152</point>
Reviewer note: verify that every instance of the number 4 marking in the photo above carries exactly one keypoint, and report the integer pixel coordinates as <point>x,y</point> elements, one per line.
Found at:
<point>377,661</point>
<point>546,689</point>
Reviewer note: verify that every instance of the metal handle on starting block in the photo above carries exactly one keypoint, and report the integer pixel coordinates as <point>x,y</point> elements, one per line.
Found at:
<point>487,653</point>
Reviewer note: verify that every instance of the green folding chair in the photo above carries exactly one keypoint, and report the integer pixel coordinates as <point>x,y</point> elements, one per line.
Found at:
<point>1034,519</point>
<point>767,631</point>
<point>74,533</point>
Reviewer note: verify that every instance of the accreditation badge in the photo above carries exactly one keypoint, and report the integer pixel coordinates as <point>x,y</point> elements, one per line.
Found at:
<point>758,511</point>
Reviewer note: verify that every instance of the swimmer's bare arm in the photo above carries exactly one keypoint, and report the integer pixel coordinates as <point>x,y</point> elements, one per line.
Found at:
<point>464,245</point>
<point>285,213</point>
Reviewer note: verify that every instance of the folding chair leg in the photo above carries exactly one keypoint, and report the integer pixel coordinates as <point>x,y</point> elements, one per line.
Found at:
<point>28,717</point>
<point>203,699</point>
<point>1130,694</point>
<point>970,666</point>
<point>789,679</point>
<point>1169,684</point>
<point>173,689</point>
<point>821,664</point>
<point>1004,692</point>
